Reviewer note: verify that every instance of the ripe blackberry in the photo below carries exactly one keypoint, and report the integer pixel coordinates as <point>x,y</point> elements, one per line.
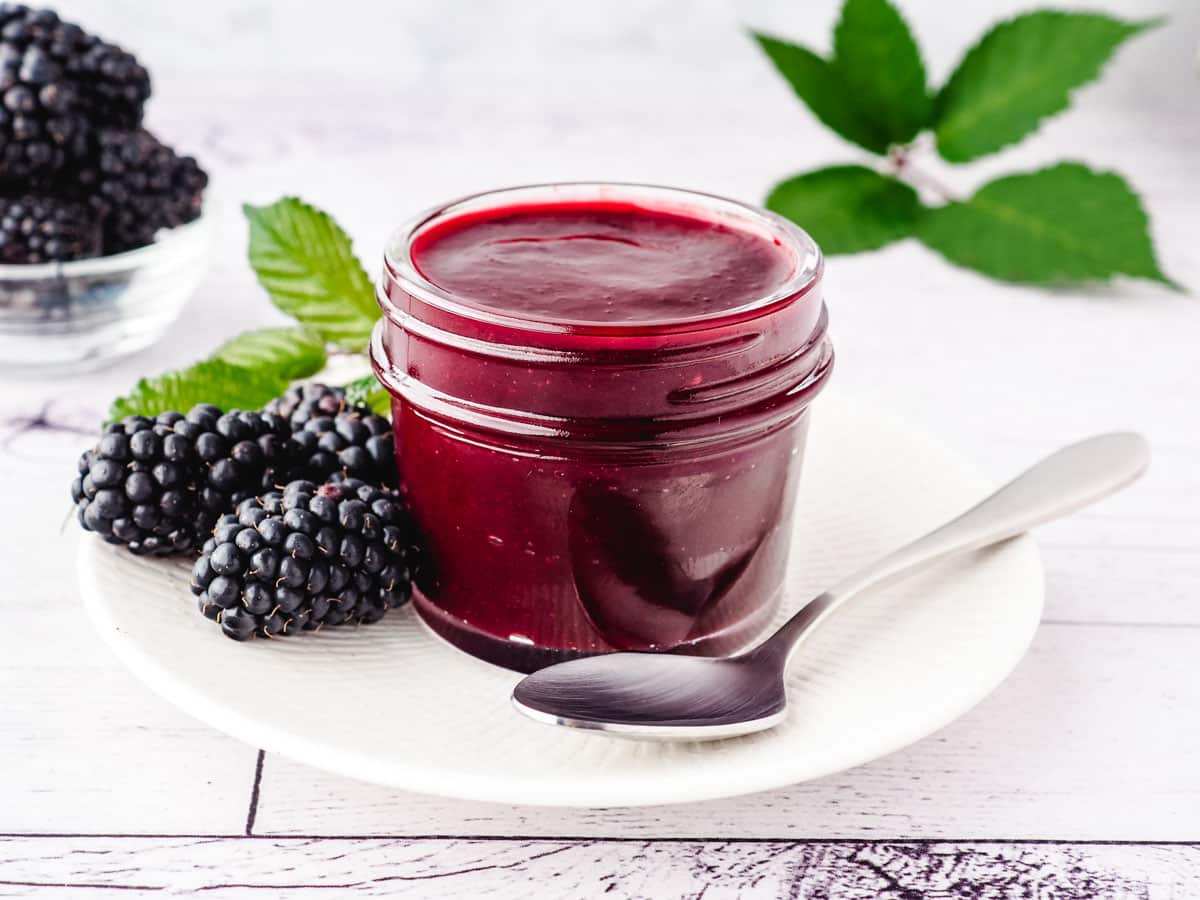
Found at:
<point>158,485</point>
<point>304,401</point>
<point>56,83</point>
<point>114,85</point>
<point>40,228</point>
<point>137,487</point>
<point>356,443</point>
<point>336,436</point>
<point>241,454</point>
<point>306,557</point>
<point>139,186</point>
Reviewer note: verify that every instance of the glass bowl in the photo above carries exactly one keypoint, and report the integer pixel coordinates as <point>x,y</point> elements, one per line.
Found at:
<point>59,318</point>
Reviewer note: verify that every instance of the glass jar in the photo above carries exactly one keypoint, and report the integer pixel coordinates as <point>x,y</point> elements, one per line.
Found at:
<point>591,487</point>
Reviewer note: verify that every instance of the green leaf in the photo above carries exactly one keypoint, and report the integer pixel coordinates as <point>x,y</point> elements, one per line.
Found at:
<point>880,66</point>
<point>823,89</point>
<point>367,391</point>
<point>211,381</point>
<point>848,209</point>
<point>290,353</point>
<point>872,92</point>
<point>306,263</point>
<point>1058,225</point>
<point>1020,72</point>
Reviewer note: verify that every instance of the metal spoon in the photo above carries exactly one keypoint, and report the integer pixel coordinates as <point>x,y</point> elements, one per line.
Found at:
<point>671,697</point>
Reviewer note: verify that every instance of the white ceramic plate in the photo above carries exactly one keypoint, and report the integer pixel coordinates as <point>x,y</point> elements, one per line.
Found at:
<point>391,704</point>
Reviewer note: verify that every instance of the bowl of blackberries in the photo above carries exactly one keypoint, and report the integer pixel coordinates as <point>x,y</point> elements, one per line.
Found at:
<point>103,235</point>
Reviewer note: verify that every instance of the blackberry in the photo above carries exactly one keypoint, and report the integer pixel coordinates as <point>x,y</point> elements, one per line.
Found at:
<point>337,436</point>
<point>40,228</point>
<point>56,83</point>
<point>303,402</point>
<point>307,557</point>
<point>139,185</point>
<point>158,485</point>
<point>355,442</point>
<point>138,487</point>
<point>114,85</point>
<point>241,454</point>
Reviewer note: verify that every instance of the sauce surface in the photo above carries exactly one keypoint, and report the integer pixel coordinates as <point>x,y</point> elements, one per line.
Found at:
<point>602,263</point>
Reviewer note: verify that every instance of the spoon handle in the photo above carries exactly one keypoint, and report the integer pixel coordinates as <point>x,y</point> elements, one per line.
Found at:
<point>1063,482</point>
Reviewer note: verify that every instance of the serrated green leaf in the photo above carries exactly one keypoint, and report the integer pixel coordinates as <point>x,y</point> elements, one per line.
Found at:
<point>848,209</point>
<point>824,91</point>
<point>305,262</point>
<point>880,65</point>
<point>211,381</point>
<point>290,353</point>
<point>1058,225</point>
<point>367,391</point>
<point>1020,72</point>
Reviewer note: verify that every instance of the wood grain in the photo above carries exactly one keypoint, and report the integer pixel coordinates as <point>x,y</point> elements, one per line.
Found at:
<point>225,868</point>
<point>84,746</point>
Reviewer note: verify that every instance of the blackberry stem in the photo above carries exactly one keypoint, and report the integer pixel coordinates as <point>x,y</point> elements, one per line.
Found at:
<point>901,166</point>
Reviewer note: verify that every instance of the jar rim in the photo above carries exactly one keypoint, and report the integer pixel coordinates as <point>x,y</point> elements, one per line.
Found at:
<point>809,262</point>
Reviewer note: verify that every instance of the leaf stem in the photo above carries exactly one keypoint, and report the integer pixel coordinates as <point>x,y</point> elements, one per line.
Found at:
<point>901,167</point>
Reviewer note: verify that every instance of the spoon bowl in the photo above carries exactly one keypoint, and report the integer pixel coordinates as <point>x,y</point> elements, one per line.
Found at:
<point>657,696</point>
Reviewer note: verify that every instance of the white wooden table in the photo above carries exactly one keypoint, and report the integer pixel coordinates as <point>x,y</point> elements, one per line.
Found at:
<point>1079,777</point>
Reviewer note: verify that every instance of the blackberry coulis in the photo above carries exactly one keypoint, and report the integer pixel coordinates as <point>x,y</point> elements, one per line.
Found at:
<point>306,557</point>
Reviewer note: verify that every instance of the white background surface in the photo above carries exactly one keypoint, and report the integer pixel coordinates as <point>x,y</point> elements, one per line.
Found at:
<point>374,110</point>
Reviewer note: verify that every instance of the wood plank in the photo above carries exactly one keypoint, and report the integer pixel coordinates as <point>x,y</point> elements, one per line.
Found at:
<point>224,868</point>
<point>1092,738</point>
<point>1138,585</point>
<point>85,747</point>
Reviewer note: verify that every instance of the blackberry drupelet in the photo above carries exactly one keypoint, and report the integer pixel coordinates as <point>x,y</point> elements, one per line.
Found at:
<point>57,82</point>
<point>138,487</point>
<point>41,228</point>
<point>305,557</point>
<point>138,185</point>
